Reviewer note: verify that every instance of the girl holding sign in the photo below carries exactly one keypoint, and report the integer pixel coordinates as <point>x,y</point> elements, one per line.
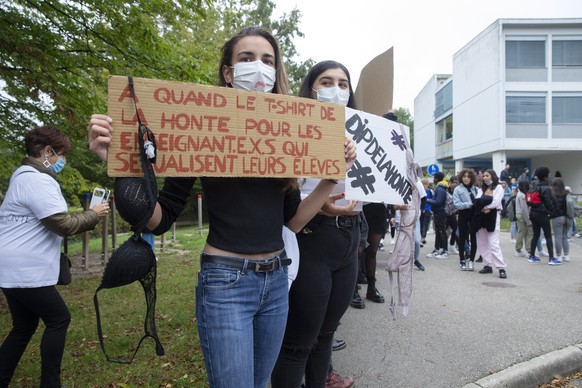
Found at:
<point>241,295</point>
<point>328,244</point>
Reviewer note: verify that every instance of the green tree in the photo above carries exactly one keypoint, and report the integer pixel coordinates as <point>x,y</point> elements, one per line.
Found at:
<point>405,118</point>
<point>56,56</point>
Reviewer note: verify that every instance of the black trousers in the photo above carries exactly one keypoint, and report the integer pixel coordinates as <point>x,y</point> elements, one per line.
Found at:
<point>465,234</point>
<point>319,297</point>
<point>541,221</point>
<point>27,307</point>
<point>440,230</point>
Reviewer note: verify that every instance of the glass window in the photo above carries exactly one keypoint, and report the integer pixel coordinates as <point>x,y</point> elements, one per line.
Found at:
<point>566,109</point>
<point>444,100</point>
<point>525,54</point>
<point>567,53</point>
<point>525,109</point>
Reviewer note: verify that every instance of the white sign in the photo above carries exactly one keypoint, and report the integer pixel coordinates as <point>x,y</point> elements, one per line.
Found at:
<point>379,173</point>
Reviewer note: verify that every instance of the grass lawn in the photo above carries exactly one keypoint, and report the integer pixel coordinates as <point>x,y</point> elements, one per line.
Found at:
<point>123,312</point>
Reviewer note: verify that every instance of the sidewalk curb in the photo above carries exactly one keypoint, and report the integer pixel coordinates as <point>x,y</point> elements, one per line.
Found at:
<point>536,371</point>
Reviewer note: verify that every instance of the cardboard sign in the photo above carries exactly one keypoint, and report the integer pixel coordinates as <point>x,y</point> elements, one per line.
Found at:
<point>215,131</point>
<point>379,173</point>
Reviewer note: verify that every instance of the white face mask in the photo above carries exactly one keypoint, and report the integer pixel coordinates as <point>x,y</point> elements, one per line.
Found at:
<point>333,94</point>
<point>488,182</point>
<point>253,76</point>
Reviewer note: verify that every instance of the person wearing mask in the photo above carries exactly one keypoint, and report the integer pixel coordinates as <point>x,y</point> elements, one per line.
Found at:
<point>33,221</point>
<point>524,229</point>
<point>487,223</point>
<point>437,205</point>
<point>240,330</point>
<point>328,245</point>
<point>539,215</point>
<point>561,222</point>
<point>464,197</point>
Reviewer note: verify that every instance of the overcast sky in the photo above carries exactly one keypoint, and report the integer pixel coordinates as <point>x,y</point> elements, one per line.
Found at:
<point>425,34</point>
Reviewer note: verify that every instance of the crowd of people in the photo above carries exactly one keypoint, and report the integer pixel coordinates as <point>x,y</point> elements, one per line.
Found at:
<point>255,329</point>
<point>533,205</point>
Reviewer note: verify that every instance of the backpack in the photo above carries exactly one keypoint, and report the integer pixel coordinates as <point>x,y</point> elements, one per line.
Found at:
<point>449,205</point>
<point>510,209</point>
<point>533,197</point>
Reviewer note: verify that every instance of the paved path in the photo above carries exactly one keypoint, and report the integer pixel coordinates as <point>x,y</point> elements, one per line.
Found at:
<point>465,327</point>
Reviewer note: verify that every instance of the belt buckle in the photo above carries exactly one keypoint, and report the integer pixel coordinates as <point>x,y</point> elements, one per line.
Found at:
<point>266,266</point>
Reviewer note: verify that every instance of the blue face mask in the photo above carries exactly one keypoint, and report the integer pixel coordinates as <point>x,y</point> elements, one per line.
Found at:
<point>58,166</point>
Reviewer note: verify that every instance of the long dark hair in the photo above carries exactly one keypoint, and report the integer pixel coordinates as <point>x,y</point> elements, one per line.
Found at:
<point>281,80</point>
<point>315,71</point>
<point>558,187</point>
<point>494,180</point>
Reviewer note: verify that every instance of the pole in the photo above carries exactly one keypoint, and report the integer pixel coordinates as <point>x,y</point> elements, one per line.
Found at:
<point>85,235</point>
<point>113,223</point>
<point>199,214</point>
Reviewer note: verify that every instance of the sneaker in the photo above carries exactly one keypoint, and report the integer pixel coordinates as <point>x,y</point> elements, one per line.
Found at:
<point>554,261</point>
<point>335,380</point>
<point>419,265</point>
<point>443,255</point>
<point>565,258</point>
<point>534,259</point>
<point>470,266</point>
<point>502,274</point>
<point>453,250</point>
<point>519,254</point>
<point>392,242</point>
<point>338,344</point>
<point>486,269</point>
<point>463,265</point>
<point>424,240</point>
<point>577,235</point>
<point>434,253</point>
<point>544,253</point>
<point>357,301</point>
<point>381,247</point>
<point>479,260</point>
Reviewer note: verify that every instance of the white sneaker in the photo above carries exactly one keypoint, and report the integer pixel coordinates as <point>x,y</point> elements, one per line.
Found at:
<point>434,253</point>
<point>565,258</point>
<point>453,249</point>
<point>443,255</point>
<point>392,241</point>
<point>470,266</point>
<point>520,254</point>
<point>544,253</point>
<point>577,235</point>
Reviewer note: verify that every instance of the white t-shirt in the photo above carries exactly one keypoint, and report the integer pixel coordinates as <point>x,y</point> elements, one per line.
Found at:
<point>29,253</point>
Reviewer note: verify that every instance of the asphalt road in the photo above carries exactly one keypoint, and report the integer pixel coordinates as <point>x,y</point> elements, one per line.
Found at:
<point>466,327</point>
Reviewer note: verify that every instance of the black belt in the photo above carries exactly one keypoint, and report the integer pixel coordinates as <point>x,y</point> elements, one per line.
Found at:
<point>339,221</point>
<point>251,265</point>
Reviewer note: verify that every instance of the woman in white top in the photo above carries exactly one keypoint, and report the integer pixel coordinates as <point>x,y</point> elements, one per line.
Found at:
<point>33,219</point>
<point>488,206</point>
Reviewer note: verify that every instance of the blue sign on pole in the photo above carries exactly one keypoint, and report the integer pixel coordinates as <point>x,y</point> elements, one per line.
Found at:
<point>432,169</point>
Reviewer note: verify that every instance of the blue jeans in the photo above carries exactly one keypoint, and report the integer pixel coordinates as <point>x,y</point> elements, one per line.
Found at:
<point>241,318</point>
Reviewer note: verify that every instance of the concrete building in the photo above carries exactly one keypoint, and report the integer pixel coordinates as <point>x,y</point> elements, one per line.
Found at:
<point>515,96</point>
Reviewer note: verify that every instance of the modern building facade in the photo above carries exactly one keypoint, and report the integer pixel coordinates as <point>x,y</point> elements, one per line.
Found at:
<point>515,96</point>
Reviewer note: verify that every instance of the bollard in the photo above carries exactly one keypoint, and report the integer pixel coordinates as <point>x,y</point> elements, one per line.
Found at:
<point>174,232</point>
<point>85,235</point>
<point>199,214</point>
<point>113,222</point>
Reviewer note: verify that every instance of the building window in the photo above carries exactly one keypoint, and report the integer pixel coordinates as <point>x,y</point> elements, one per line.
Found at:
<point>445,129</point>
<point>444,100</point>
<point>525,109</point>
<point>566,53</point>
<point>525,54</point>
<point>566,109</point>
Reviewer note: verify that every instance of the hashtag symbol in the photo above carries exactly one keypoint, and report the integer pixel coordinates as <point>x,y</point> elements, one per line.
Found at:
<point>398,140</point>
<point>363,177</point>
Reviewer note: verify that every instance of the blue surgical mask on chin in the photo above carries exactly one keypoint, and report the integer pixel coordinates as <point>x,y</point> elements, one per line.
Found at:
<point>58,166</point>
<point>333,94</point>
